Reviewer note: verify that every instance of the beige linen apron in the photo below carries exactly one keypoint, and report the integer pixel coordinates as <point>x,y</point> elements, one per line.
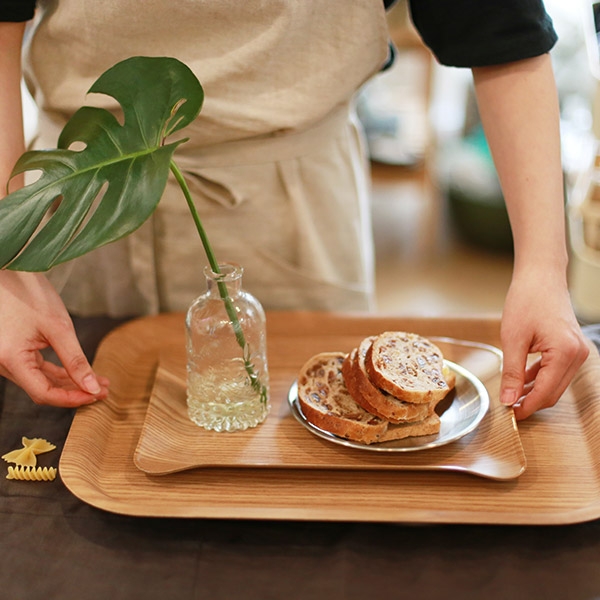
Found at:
<point>275,161</point>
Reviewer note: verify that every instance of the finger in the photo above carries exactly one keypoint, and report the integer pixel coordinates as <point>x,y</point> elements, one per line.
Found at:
<point>546,390</point>
<point>532,371</point>
<point>41,390</point>
<point>527,389</point>
<point>538,399</point>
<point>63,339</point>
<point>58,377</point>
<point>513,373</point>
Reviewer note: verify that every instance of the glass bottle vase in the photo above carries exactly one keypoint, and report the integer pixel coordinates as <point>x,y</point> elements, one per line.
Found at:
<point>227,373</point>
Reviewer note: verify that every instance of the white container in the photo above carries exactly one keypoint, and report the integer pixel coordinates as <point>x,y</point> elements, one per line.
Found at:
<point>590,214</point>
<point>583,216</point>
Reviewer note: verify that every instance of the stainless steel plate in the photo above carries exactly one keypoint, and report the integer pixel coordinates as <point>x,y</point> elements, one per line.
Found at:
<point>463,410</point>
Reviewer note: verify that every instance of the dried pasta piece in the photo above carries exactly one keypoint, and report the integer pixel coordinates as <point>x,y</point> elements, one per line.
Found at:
<point>26,456</point>
<point>31,474</point>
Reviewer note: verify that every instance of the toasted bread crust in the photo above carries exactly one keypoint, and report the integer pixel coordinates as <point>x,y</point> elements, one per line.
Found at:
<point>450,377</point>
<point>353,385</point>
<point>407,366</point>
<point>326,402</point>
<point>383,403</point>
<point>428,426</point>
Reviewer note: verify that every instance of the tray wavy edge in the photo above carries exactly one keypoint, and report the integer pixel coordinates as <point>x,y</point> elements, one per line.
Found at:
<point>84,477</point>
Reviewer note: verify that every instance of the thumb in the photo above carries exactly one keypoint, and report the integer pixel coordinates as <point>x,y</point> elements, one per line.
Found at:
<point>66,345</point>
<point>513,374</point>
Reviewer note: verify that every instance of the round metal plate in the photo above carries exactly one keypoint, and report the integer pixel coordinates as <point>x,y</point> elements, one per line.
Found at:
<point>460,413</point>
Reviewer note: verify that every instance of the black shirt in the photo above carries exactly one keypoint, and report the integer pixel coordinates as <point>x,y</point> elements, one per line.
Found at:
<point>16,10</point>
<point>460,33</point>
<point>471,33</point>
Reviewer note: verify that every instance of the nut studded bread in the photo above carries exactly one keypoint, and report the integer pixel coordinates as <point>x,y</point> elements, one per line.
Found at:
<point>374,399</point>
<point>407,366</point>
<point>428,426</point>
<point>353,385</point>
<point>327,403</point>
<point>449,376</point>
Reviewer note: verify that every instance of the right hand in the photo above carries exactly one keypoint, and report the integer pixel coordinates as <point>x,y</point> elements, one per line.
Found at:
<point>33,317</point>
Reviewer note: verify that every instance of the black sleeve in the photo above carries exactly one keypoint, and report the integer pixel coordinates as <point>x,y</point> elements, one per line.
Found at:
<point>475,33</point>
<point>17,10</point>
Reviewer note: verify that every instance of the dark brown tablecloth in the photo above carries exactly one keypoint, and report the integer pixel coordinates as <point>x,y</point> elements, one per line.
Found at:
<point>53,546</point>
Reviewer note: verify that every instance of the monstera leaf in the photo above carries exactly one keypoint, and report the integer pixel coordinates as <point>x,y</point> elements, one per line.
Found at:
<point>109,188</point>
<point>88,197</point>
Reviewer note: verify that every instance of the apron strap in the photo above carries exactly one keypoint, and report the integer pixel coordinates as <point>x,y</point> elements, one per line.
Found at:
<point>277,146</point>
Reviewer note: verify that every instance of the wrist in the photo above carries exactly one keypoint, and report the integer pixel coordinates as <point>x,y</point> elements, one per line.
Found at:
<point>552,266</point>
<point>541,252</point>
<point>540,280</point>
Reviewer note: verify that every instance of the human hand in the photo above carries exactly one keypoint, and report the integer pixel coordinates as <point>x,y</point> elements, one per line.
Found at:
<point>538,318</point>
<point>32,318</point>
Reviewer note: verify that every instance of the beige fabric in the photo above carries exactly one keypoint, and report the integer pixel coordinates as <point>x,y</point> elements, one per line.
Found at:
<point>275,160</point>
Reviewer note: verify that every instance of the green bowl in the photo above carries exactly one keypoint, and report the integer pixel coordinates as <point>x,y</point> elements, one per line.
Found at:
<point>480,221</point>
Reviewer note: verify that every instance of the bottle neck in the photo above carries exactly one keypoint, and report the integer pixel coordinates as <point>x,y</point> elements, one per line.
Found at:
<point>230,275</point>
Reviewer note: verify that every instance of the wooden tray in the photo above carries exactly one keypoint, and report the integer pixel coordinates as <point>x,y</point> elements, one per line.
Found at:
<point>170,442</point>
<point>562,445</point>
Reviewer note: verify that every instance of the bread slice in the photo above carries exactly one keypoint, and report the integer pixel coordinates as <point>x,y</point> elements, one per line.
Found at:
<point>326,402</point>
<point>449,376</point>
<point>353,384</point>
<point>376,400</point>
<point>407,366</point>
<point>429,426</point>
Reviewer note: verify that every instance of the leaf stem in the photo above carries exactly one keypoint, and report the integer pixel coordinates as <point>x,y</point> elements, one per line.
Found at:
<point>222,285</point>
<point>214,265</point>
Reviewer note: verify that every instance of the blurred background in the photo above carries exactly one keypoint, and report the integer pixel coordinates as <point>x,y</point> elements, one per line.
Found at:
<point>443,244</point>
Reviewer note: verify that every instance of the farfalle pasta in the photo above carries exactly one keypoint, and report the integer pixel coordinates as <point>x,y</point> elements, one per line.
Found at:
<point>25,460</point>
<point>26,456</point>
<point>31,473</point>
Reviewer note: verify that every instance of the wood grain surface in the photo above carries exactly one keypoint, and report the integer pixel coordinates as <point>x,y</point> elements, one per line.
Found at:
<point>98,464</point>
<point>170,442</point>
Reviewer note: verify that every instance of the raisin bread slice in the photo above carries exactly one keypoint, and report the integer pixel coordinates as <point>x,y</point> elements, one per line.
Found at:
<point>375,399</point>
<point>326,402</point>
<point>408,366</point>
<point>431,425</point>
<point>353,384</point>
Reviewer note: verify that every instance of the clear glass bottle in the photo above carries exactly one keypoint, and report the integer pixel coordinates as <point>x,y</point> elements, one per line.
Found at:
<point>227,373</point>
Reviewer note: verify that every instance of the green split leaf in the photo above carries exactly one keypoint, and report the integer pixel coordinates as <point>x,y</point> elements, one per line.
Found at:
<point>110,187</point>
<point>89,197</point>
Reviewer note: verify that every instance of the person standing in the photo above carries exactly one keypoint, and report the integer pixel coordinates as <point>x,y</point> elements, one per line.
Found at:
<point>277,166</point>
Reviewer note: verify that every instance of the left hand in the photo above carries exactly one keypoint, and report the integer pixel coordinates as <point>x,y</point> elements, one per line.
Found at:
<point>33,317</point>
<point>538,318</point>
